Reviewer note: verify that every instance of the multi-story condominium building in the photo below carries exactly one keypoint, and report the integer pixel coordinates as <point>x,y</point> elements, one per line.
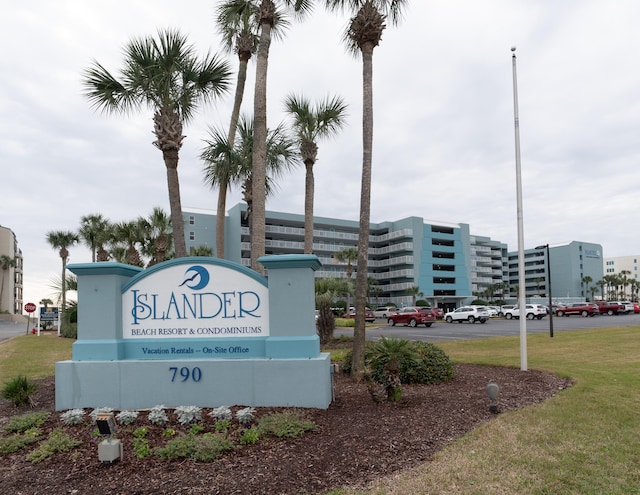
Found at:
<point>446,263</point>
<point>625,267</point>
<point>10,273</point>
<point>619,264</point>
<point>576,267</point>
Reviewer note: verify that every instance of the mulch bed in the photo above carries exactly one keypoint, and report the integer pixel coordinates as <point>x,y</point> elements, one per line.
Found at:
<point>356,442</point>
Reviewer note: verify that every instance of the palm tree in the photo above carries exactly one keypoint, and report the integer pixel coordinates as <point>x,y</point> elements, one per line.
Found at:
<point>236,164</point>
<point>235,20</point>
<point>624,282</point>
<point>309,124</point>
<point>200,251</point>
<point>362,36</point>
<point>586,280</point>
<point>269,16</point>
<point>602,283</point>
<point>131,235</point>
<point>165,75</point>
<point>348,256</point>
<point>414,292</point>
<point>62,240</point>
<point>157,231</point>
<point>94,231</point>
<point>6,262</point>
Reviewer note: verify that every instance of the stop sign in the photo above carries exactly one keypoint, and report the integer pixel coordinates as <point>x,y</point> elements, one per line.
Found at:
<point>29,307</point>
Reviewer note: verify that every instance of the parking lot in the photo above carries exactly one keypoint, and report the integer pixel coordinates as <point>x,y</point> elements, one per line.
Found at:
<point>495,327</point>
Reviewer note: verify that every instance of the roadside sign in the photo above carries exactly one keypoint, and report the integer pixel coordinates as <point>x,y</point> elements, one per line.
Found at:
<point>29,307</point>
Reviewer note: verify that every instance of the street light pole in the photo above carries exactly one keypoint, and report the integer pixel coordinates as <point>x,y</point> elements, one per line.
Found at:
<point>546,246</point>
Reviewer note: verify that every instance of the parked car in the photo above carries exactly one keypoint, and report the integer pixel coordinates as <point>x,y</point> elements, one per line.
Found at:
<point>636,307</point>
<point>505,307</point>
<point>581,308</point>
<point>628,306</point>
<point>368,315</point>
<point>468,313</point>
<point>385,311</point>
<point>610,308</point>
<point>531,311</point>
<point>493,311</point>
<point>412,316</point>
<point>439,312</point>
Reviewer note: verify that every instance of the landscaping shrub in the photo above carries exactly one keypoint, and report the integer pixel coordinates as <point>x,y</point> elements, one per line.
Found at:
<point>19,390</point>
<point>428,364</point>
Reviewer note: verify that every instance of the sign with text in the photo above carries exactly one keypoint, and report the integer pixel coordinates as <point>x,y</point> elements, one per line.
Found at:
<point>193,300</point>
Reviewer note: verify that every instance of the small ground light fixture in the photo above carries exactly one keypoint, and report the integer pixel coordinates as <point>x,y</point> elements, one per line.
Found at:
<point>492,391</point>
<point>110,449</point>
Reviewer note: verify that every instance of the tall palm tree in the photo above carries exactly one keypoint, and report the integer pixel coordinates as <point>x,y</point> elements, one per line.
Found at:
<point>6,262</point>
<point>62,241</point>
<point>235,20</point>
<point>269,16</point>
<point>94,231</point>
<point>324,119</point>
<point>165,75</point>
<point>363,35</point>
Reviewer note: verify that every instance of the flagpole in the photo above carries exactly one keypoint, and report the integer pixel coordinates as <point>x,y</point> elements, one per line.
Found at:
<point>521,280</point>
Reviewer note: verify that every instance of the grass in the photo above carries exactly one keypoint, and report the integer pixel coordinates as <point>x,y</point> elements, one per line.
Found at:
<point>33,356</point>
<point>586,440</point>
<point>583,441</point>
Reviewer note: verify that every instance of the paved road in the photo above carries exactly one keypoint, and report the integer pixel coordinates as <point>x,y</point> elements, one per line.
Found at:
<point>10,329</point>
<point>442,332</point>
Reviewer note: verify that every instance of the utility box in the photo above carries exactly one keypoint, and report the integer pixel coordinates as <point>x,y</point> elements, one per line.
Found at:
<point>109,450</point>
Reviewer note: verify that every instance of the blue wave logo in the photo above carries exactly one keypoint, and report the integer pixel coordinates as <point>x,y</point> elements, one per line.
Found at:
<point>196,277</point>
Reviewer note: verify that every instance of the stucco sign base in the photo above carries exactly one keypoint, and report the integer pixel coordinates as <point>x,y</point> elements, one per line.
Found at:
<point>143,384</point>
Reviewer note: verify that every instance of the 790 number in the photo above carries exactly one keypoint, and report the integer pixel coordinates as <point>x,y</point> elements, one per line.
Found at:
<point>183,374</point>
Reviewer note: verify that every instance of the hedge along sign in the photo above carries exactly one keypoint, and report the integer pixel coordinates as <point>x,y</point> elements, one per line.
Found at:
<point>192,300</point>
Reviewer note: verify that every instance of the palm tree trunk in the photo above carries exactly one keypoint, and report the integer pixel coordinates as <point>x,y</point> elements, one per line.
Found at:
<point>308,209</point>
<point>171,162</point>
<point>224,184</point>
<point>259,161</point>
<point>357,369</point>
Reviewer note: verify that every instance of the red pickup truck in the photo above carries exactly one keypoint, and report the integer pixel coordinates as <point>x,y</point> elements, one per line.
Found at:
<point>611,308</point>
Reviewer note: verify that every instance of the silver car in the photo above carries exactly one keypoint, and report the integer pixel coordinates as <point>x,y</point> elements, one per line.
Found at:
<point>468,313</point>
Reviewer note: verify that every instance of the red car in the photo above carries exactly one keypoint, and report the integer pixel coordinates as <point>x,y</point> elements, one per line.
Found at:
<point>413,317</point>
<point>368,315</point>
<point>439,312</point>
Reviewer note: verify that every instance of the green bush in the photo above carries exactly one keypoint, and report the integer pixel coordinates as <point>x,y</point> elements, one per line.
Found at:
<point>13,443</point>
<point>431,365</point>
<point>69,330</point>
<point>286,424</point>
<point>58,441</point>
<point>19,390</point>
<point>19,424</point>
<point>204,448</point>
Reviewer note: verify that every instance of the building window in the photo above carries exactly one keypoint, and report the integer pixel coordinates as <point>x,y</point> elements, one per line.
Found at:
<point>192,220</point>
<point>192,236</point>
<point>441,229</point>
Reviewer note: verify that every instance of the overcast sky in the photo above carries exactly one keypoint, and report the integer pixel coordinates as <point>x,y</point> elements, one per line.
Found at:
<point>444,146</point>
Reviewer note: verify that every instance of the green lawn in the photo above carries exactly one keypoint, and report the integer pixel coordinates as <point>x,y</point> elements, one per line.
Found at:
<point>586,440</point>
<point>32,355</point>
